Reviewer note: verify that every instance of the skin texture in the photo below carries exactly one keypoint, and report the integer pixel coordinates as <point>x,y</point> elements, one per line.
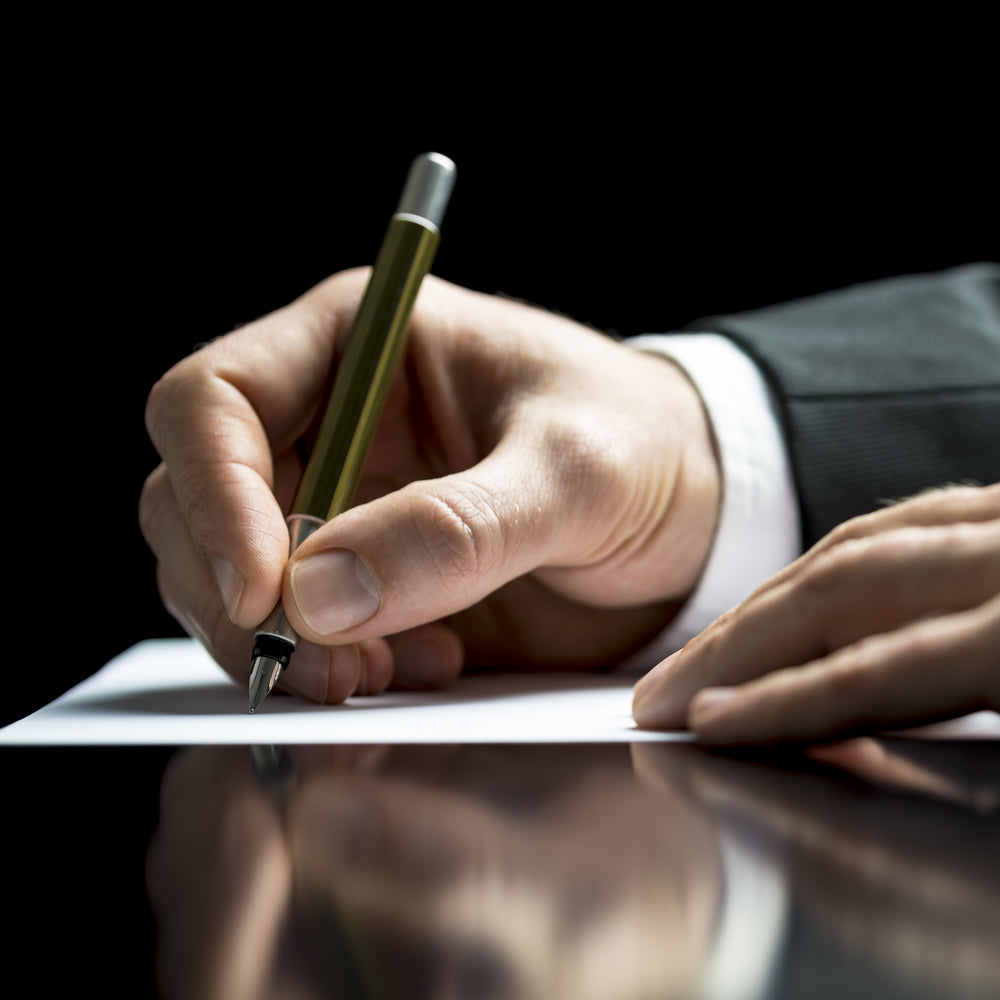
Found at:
<point>892,619</point>
<point>537,495</point>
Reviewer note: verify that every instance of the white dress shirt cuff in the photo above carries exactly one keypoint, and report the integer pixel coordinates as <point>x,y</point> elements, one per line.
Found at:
<point>758,531</point>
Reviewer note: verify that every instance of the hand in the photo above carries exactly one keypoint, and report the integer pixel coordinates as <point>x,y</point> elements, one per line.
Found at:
<point>901,882</point>
<point>536,494</point>
<point>892,619</point>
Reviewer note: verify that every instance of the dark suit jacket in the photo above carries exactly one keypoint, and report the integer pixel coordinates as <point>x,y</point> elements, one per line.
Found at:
<point>885,388</point>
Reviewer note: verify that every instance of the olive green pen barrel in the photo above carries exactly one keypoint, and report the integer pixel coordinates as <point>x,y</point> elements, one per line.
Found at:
<point>365,371</point>
<point>360,386</point>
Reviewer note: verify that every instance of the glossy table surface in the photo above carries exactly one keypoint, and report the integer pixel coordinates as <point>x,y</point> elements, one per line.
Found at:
<point>505,871</point>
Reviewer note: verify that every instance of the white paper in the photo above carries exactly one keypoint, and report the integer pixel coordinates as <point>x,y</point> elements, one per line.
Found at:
<point>169,692</point>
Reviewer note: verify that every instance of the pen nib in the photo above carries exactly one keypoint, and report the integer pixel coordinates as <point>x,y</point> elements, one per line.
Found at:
<point>263,676</point>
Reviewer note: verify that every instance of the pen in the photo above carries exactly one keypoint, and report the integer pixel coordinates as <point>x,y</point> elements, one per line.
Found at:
<point>360,386</point>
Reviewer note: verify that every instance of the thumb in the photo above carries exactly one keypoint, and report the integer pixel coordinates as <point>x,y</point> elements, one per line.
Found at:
<point>431,549</point>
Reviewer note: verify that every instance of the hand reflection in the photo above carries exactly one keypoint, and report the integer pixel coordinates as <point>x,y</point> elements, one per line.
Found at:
<point>966,773</point>
<point>899,866</point>
<point>511,872</point>
<point>554,871</point>
<point>218,876</point>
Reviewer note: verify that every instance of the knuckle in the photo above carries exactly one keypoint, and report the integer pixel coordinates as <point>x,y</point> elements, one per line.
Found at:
<point>580,458</point>
<point>153,500</point>
<point>155,403</point>
<point>461,530</point>
<point>164,399</point>
<point>848,686</point>
<point>708,642</point>
<point>854,560</point>
<point>836,567</point>
<point>195,412</point>
<point>991,498</point>
<point>195,490</point>
<point>848,682</point>
<point>979,545</point>
<point>848,531</point>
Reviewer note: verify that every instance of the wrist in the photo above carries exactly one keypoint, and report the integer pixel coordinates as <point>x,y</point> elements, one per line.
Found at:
<point>757,532</point>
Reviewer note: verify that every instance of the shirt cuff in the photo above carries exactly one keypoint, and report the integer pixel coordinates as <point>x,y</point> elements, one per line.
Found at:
<point>759,529</point>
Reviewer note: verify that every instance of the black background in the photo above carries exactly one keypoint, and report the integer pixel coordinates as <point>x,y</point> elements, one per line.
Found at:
<point>171,175</point>
<point>169,187</point>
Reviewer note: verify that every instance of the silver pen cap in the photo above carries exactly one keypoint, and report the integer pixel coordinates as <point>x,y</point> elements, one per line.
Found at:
<point>427,188</point>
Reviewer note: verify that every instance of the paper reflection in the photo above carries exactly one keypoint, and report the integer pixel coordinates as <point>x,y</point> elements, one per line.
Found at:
<point>556,871</point>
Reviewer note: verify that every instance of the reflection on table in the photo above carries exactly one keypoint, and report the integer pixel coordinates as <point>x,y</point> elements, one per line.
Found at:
<point>611,871</point>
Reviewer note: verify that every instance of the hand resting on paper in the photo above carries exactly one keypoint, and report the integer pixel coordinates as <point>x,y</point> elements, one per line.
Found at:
<point>892,619</point>
<point>536,495</point>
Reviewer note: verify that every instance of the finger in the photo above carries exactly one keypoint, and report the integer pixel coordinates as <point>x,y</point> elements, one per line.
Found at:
<point>425,658</point>
<point>554,495</point>
<point>415,556</point>
<point>219,462</point>
<point>426,551</point>
<point>190,594</point>
<point>950,505</point>
<point>860,588</point>
<point>219,418</point>
<point>184,578</point>
<point>932,669</point>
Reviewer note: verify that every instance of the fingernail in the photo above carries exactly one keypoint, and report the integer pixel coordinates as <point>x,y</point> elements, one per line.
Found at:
<point>651,681</point>
<point>652,707</point>
<point>230,584</point>
<point>334,591</point>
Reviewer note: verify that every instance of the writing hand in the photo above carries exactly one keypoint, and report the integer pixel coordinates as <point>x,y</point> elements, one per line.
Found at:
<point>536,494</point>
<point>892,619</point>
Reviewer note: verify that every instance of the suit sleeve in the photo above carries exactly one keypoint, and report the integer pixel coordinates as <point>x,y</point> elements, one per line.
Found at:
<point>883,389</point>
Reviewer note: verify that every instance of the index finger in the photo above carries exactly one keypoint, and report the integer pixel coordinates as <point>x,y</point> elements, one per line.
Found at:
<point>221,418</point>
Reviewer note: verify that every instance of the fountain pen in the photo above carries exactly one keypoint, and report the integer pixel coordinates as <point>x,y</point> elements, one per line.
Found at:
<point>360,386</point>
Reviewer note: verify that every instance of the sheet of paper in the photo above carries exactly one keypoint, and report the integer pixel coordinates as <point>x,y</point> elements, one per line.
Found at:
<point>169,692</point>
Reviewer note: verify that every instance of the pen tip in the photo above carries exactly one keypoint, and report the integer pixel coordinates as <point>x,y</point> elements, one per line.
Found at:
<point>263,676</point>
